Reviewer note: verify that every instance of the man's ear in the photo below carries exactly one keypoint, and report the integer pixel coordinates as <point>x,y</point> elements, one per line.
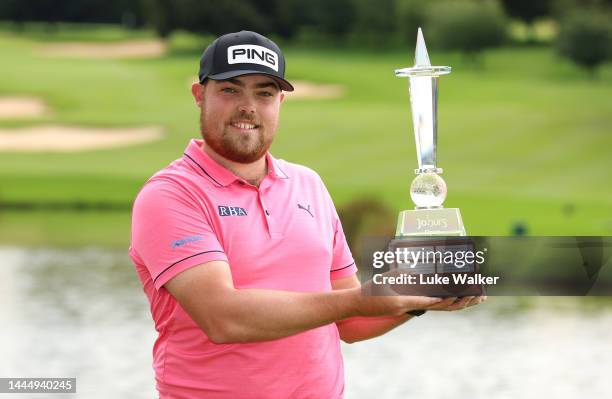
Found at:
<point>282,96</point>
<point>197,91</point>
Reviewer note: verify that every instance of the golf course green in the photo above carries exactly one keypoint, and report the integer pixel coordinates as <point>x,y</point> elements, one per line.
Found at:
<point>525,137</point>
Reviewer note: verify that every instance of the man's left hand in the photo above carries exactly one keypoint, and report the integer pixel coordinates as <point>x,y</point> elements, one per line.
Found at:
<point>453,303</point>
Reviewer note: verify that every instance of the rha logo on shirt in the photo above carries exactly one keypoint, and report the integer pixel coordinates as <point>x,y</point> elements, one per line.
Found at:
<point>186,240</point>
<point>252,54</point>
<point>231,211</point>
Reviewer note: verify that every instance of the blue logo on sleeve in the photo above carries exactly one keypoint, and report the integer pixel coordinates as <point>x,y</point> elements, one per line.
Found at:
<point>186,240</point>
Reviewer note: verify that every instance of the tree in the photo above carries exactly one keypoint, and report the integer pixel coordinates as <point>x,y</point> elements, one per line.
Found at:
<point>108,11</point>
<point>409,15</point>
<point>586,38</point>
<point>213,16</point>
<point>290,16</point>
<point>469,26</point>
<point>160,15</point>
<point>374,23</point>
<point>527,10</point>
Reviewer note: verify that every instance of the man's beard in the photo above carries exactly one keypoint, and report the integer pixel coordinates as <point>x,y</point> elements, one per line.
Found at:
<point>241,148</point>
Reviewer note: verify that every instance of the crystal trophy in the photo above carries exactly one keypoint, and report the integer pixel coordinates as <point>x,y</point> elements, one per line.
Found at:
<point>428,189</point>
<point>430,228</point>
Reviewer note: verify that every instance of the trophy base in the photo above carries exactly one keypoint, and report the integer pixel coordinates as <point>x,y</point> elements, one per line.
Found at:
<point>440,267</point>
<point>430,222</point>
<point>426,230</point>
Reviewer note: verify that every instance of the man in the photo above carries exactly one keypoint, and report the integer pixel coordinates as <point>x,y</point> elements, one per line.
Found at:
<point>242,256</point>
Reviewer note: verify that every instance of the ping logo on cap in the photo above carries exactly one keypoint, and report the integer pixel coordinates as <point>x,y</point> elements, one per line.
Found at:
<point>252,54</point>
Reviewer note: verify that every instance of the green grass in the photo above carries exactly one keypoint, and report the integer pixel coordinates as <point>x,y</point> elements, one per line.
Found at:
<point>65,31</point>
<point>520,138</point>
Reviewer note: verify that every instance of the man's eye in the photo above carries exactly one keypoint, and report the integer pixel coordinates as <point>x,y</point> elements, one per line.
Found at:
<point>228,90</point>
<point>266,94</point>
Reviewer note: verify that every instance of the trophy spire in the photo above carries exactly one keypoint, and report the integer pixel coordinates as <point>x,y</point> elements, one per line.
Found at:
<point>424,100</point>
<point>421,58</point>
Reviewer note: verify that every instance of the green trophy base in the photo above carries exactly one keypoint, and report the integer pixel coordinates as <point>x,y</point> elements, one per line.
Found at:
<point>430,222</point>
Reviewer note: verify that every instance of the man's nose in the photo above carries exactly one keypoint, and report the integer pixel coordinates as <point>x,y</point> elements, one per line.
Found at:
<point>247,106</point>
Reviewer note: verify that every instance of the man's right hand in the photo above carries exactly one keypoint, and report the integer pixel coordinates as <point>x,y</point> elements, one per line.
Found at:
<point>395,305</point>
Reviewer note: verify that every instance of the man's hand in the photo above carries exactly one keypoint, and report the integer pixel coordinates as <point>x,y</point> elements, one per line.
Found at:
<point>454,303</point>
<point>394,305</point>
<point>384,304</point>
<point>356,329</point>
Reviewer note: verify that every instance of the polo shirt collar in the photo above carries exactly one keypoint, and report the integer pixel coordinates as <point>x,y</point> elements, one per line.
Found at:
<point>274,168</point>
<point>218,173</point>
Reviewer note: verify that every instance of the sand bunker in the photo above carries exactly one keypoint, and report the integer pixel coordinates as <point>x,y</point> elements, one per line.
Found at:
<point>126,49</point>
<point>73,138</point>
<point>21,107</point>
<point>304,89</point>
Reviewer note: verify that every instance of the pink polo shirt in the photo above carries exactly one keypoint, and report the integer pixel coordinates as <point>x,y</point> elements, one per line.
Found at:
<point>284,235</point>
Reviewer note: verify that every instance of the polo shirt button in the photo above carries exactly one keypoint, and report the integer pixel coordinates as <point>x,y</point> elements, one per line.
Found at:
<point>267,213</point>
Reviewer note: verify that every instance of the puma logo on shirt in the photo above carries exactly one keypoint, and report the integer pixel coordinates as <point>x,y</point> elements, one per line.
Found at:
<point>307,209</point>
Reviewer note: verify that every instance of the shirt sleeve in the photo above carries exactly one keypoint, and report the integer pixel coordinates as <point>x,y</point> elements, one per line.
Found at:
<point>171,232</point>
<point>343,264</point>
